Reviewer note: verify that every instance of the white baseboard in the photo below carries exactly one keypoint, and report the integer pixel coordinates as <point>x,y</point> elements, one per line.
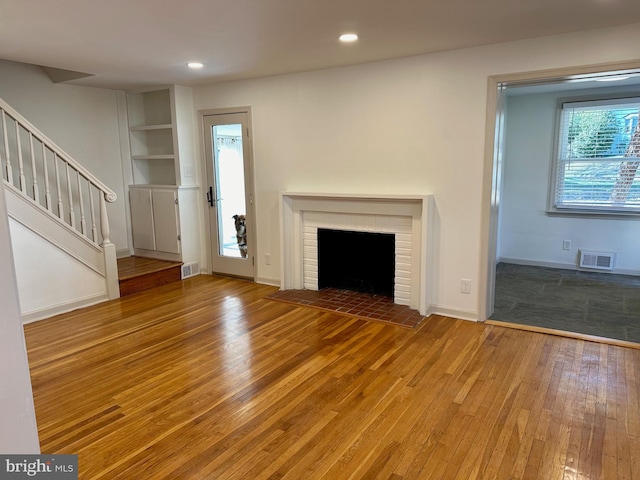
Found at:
<point>123,253</point>
<point>274,282</point>
<point>48,312</point>
<point>453,313</point>
<point>564,266</point>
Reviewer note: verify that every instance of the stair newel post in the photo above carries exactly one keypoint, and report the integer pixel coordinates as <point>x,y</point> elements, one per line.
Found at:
<point>110,261</point>
<point>7,153</point>
<point>57,171</point>
<point>23,181</point>
<point>104,220</point>
<point>47,192</point>
<point>72,212</point>
<point>36,192</point>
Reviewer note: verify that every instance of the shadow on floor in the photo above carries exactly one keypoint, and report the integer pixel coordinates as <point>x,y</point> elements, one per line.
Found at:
<point>590,303</point>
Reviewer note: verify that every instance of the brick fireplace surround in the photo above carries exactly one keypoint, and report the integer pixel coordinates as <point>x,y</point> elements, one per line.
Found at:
<point>407,217</point>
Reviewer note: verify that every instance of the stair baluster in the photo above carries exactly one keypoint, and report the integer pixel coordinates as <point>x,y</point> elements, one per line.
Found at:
<point>7,152</point>
<point>83,222</point>
<point>94,229</point>
<point>47,192</point>
<point>23,181</point>
<point>72,213</point>
<point>36,192</point>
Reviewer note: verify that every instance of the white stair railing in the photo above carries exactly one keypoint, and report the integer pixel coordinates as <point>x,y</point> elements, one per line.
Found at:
<point>70,190</point>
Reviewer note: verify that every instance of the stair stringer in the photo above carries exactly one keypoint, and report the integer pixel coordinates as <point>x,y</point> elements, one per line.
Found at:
<point>71,258</point>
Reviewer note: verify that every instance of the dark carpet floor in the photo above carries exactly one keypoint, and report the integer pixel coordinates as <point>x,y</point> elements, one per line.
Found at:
<point>591,303</point>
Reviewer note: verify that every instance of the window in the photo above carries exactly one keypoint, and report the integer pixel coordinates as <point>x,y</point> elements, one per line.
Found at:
<point>598,157</point>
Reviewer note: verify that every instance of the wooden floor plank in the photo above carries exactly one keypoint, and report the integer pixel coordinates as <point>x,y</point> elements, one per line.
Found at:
<point>206,378</point>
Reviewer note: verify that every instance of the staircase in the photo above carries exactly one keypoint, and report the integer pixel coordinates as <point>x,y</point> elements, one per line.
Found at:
<point>59,224</point>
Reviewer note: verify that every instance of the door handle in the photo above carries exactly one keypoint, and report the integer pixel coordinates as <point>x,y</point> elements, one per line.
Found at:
<point>210,198</point>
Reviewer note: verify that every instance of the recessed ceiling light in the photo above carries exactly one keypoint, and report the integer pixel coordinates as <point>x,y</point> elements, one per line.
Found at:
<point>195,65</point>
<point>348,37</point>
<point>612,79</point>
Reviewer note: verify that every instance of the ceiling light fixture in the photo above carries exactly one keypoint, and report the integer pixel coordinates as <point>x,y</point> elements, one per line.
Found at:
<point>195,65</point>
<point>348,37</point>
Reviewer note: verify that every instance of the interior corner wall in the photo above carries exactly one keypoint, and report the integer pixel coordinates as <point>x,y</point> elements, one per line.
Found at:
<point>528,235</point>
<point>83,121</point>
<point>412,126</point>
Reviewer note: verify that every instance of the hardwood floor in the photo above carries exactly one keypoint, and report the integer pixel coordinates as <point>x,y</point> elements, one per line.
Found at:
<point>207,379</point>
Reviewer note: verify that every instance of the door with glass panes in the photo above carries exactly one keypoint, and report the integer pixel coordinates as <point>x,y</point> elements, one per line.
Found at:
<point>230,193</point>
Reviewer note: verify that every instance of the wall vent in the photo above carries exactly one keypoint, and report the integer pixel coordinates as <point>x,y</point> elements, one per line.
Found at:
<point>190,269</point>
<point>597,260</point>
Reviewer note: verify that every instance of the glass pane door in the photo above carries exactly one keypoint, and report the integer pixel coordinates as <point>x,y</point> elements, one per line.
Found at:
<point>230,203</point>
<point>229,195</point>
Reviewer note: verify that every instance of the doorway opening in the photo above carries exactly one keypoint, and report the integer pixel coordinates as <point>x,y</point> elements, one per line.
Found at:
<point>535,250</point>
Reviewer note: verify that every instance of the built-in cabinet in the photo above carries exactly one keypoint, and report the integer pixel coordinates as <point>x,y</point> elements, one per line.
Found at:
<point>164,222</point>
<point>155,216</point>
<point>163,197</point>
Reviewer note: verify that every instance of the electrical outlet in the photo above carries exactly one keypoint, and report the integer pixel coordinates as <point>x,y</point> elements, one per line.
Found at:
<point>566,244</point>
<point>267,259</point>
<point>465,285</point>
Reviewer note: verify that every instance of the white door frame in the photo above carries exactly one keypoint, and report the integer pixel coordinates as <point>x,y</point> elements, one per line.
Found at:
<point>492,172</point>
<point>251,209</point>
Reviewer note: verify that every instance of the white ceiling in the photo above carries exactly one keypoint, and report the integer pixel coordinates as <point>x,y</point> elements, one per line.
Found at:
<point>129,43</point>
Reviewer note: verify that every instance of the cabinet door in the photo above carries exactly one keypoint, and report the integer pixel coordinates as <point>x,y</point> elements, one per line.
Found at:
<point>165,214</point>
<point>142,219</point>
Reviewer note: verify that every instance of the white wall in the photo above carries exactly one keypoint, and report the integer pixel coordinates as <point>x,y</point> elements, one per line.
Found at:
<point>83,121</point>
<point>528,234</point>
<point>413,125</point>
<point>18,432</point>
<point>58,284</point>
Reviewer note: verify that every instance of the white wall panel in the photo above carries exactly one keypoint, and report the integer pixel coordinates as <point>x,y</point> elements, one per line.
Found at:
<point>50,278</point>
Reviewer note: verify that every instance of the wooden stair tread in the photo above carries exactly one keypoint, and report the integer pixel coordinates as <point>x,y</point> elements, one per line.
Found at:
<point>131,267</point>
<point>136,274</point>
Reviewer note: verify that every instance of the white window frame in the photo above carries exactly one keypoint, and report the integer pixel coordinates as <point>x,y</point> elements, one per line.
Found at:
<point>557,170</point>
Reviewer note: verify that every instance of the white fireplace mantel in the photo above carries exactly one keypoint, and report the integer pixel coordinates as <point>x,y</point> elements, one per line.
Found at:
<point>368,213</point>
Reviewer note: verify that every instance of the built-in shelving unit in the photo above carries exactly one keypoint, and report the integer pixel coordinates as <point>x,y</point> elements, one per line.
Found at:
<point>164,195</point>
<point>152,137</point>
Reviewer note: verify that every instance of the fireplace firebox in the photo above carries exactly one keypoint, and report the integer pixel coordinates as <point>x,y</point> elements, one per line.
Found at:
<point>357,261</point>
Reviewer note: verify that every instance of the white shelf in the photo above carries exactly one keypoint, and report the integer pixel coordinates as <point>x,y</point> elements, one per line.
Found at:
<point>153,157</point>
<point>141,128</point>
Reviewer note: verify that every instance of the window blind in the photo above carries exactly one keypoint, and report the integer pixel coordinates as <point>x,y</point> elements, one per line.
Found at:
<point>598,156</point>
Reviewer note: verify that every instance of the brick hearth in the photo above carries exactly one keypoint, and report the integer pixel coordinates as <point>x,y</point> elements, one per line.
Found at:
<point>362,305</point>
